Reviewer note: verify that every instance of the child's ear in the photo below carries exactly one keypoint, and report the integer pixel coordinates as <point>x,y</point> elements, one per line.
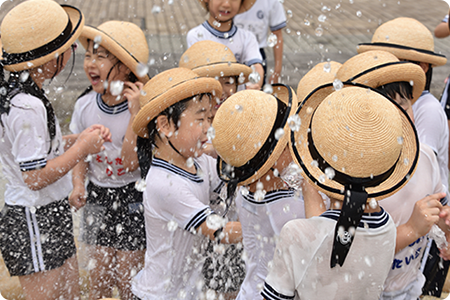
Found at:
<point>163,126</point>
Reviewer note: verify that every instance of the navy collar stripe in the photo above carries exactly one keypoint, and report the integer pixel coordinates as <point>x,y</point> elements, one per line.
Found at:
<point>373,220</point>
<point>111,110</point>
<point>176,170</point>
<point>270,196</point>
<point>220,34</point>
<point>198,219</point>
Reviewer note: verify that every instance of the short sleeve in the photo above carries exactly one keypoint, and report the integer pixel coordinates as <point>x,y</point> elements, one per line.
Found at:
<point>251,54</point>
<point>277,17</point>
<point>76,126</point>
<point>280,281</point>
<point>192,37</point>
<point>27,121</point>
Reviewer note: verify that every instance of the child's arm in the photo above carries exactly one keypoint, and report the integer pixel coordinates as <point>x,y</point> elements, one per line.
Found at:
<point>257,86</point>
<point>89,141</point>
<point>129,154</point>
<point>424,216</point>
<point>70,139</point>
<point>442,30</point>
<point>77,197</point>
<point>232,232</point>
<point>314,204</point>
<point>278,57</point>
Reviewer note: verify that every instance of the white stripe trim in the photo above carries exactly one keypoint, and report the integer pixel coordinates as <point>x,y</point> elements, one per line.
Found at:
<point>30,230</point>
<point>38,242</point>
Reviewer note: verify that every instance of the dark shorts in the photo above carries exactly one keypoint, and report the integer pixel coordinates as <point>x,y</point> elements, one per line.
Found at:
<point>36,239</point>
<point>114,217</point>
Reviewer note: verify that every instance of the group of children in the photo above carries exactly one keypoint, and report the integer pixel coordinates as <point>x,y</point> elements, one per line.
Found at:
<point>195,184</point>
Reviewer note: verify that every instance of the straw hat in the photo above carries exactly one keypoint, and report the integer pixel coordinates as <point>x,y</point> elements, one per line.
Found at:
<point>245,5</point>
<point>252,130</point>
<point>377,68</point>
<point>359,135</point>
<point>212,59</point>
<point>166,89</point>
<point>36,31</point>
<point>320,74</point>
<point>124,40</point>
<point>407,39</point>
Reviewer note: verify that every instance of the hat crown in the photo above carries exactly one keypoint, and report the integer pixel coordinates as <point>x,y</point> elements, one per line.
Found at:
<point>32,24</point>
<point>242,125</point>
<point>406,32</point>
<point>205,53</point>
<point>129,36</point>
<point>320,74</point>
<point>358,132</point>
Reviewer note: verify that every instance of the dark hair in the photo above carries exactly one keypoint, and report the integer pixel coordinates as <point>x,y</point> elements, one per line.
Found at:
<point>403,88</point>
<point>145,146</point>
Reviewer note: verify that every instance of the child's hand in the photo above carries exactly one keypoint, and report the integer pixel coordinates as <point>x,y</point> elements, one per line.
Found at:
<point>104,131</point>
<point>132,93</point>
<point>426,214</point>
<point>90,141</point>
<point>77,198</point>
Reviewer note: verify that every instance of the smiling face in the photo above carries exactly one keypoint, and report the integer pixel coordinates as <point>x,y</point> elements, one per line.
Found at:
<point>229,87</point>
<point>98,64</point>
<point>193,124</point>
<point>223,10</point>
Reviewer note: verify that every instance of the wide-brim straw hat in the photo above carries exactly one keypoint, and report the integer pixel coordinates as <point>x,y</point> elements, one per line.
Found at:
<point>407,39</point>
<point>378,68</point>
<point>124,40</point>
<point>320,74</point>
<point>245,5</point>
<point>168,88</point>
<point>251,131</point>
<point>37,31</point>
<point>212,59</point>
<point>359,133</point>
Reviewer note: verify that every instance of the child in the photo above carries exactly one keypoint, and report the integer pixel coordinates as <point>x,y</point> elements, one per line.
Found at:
<point>332,148</point>
<point>403,82</point>
<point>264,202</point>
<point>220,28</point>
<point>172,127</point>
<point>113,219</point>
<point>212,59</point>
<point>262,17</point>
<point>36,231</point>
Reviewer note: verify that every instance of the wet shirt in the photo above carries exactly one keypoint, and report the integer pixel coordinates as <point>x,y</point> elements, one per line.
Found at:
<point>24,146</point>
<point>263,16</point>
<point>425,181</point>
<point>301,263</point>
<point>241,42</point>
<point>432,128</point>
<point>261,223</point>
<point>105,168</point>
<point>176,203</point>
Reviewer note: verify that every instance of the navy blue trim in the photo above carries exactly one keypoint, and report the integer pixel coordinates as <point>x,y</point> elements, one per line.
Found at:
<point>157,162</point>
<point>111,110</point>
<point>219,187</point>
<point>269,293</point>
<point>220,34</point>
<point>253,61</point>
<point>425,92</point>
<point>279,26</point>
<point>198,219</point>
<point>444,201</point>
<point>270,196</point>
<point>372,220</point>
<point>33,165</point>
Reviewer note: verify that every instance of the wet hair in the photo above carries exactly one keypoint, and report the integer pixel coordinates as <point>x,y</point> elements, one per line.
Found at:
<point>21,82</point>
<point>403,88</point>
<point>145,146</point>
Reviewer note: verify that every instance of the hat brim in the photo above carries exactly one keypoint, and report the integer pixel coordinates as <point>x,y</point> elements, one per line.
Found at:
<point>286,95</point>
<point>246,5</point>
<point>394,72</point>
<point>406,53</point>
<point>107,42</point>
<point>76,17</point>
<point>173,95</point>
<point>404,169</point>
<point>224,70</point>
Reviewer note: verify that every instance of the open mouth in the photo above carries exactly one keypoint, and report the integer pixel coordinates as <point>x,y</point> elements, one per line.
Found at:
<point>95,79</point>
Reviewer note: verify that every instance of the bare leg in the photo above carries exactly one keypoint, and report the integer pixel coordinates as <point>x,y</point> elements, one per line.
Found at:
<point>128,264</point>
<point>101,281</point>
<point>60,283</point>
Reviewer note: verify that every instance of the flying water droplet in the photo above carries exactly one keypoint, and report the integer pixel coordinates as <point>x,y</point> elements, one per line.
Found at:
<point>294,122</point>
<point>286,208</point>
<point>238,108</point>
<point>116,87</point>
<point>306,22</point>
<point>32,209</point>
<point>254,77</point>
<point>141,70</point>
<point>24,76</point>
<point>337,84</point>
<point>190,162</point>
<point>119,228</point>
<point>314,164</point>
<point>268,89</point>
<point>272,40</point>
<point>373,203</point>
<point>156,9</point>
<point>211,133</point>
<point>322,18</point>
<point>329,173</point>
<point>289,13</point>
<point>334,158</point>
<point>319,31</point>
<point>411,82</point>
<point>259,195</point>
<point>359,14</point>
<point>406,161</point>
<point>327,67</point>
<point>279,133</point>
<point>217,24</point>
<point>244,191</point>
<point>322,178</point>
<point>140,185</point>
<point>172,226</point>
<point>400,140</point>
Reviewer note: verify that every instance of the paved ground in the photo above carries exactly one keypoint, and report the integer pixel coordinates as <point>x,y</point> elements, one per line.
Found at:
<point>308,41</point>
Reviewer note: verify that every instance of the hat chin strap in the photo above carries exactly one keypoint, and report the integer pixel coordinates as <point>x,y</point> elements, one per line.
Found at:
<point>176,150</point>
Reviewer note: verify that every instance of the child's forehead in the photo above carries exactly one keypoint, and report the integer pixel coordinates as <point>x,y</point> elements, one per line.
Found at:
<point>100,48</point>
